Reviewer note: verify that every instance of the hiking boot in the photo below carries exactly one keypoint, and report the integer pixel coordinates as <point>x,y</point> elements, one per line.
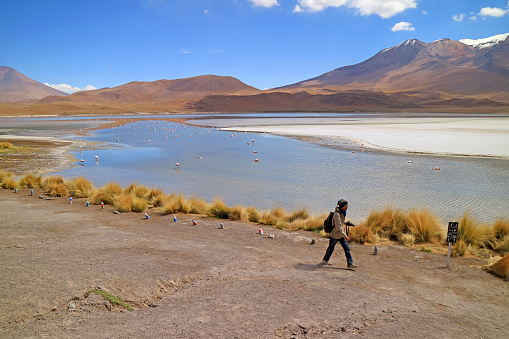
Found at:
<point>353,266</point>
<point>325,262</point>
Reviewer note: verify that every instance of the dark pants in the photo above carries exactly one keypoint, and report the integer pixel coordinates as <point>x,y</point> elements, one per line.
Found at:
<point>346,248</point>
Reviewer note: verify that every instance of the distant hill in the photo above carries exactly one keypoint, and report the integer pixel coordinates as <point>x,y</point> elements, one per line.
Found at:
<point>469,67</point>
<point>161,90</point>
<point>15,86</point>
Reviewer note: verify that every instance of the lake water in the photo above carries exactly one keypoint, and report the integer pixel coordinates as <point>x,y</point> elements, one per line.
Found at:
<point>289,173</point>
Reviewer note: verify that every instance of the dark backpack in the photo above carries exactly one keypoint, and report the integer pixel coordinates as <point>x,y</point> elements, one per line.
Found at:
<point>327,223</point>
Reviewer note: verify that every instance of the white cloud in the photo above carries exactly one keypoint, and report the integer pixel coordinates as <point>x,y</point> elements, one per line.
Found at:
<point>402,26</point>
<point>458,17</point>
<point>185,51</point>
<point>495,12</point>
<point>383,8</point>
<point>265,3</point>
<point>424,12</point>
<point>297,9</point>
<point>70,89</point>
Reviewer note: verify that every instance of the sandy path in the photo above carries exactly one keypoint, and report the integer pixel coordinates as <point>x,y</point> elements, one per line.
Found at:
<point>199,281</point>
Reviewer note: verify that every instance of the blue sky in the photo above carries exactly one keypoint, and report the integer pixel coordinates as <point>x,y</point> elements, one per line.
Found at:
<point>78,44</point>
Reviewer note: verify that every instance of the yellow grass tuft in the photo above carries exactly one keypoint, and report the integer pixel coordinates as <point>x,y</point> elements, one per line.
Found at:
<point>471,232</point>
<point>57,189</point>
<point>5,144</point>
<point>10,183</point>
<point>501,228</point>
<point>407,239</point>
<point>46,182</point>
<point>197,205</point>
<point>123,203</point>
<point>388,223</point>
<point>219,209</point>
<point>298,214</point>
<point>502,245</point>
<point>175,204</point>
<point>139,204</point>
<point>30,180</point>
<point>154,193</point>
<point>239,213</point>
<point>159,200</point>
<point>361,234</point>
<point>424,226</point>
<point>5,175</point>
<point>80,187</point>
<point>252,214</point>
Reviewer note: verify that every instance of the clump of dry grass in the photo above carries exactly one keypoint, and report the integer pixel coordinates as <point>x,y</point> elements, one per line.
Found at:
<point>106,194</point>
<point>5,144</point>
<point>309,224</point>
<point>80,187</point>
<point>239,213</point>
<point>407,239</point>
<point>30,180</point>
<point>388,223</point>
<point>302,214</point>
<point>424,226</point>
<point>159,200</point>
<point>252,214</point>
<point>174,204</point>
<point>219,209</point>
<point>123,202</point>
<point>153,193</point>
<point>139,191</point>
<point>501,228</point>
<point>361,234</point>
<point>46,182</point>
<point>472,232</point>
<point>5,175</point>
<point>502,245</point>
<point>57,189</point>
<point>139,204</point>
<point>10,183</point>
<point>197,205</point>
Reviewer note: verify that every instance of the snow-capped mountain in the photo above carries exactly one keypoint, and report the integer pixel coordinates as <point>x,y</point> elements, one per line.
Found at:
<point>457,67</point>
<point>487,42</point>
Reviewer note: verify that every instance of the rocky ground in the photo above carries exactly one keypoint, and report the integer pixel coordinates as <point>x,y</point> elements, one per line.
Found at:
<point>200,281</point>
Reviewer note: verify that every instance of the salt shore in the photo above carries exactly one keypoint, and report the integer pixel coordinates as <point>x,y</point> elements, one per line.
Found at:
<point>466,136</point>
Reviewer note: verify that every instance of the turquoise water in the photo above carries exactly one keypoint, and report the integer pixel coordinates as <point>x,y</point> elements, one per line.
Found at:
<point>292,174</point>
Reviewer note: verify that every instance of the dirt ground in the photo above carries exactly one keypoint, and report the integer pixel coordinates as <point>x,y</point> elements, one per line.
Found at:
<point>200,281</point>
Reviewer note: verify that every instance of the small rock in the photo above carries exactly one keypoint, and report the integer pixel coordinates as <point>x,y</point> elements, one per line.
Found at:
<point>116,212</point>
<point>71,306</point>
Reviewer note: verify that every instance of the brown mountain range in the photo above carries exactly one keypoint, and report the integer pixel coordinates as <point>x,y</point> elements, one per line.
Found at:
<point>15,86</point>
<point>442,76</point>
<point>445,66</point>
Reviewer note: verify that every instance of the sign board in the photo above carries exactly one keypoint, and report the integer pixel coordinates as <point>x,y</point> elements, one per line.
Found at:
<point>452,231</point>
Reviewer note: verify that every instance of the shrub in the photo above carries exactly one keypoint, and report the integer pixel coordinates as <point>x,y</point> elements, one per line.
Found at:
<point>238,213</point>
<point>407,239</point>
<point>252,214</point>
<point>57,190</point>
<point>460,248</point>
<point>309,224</point>
<point>501,228</point>
<point>159,200</point>
<point>6,144</point>
<point>388,223</point>
<point>154,193</point>
<point>299,214</point>
<point>279,213</point>
<point>198,205</point>
<point>46,182</point>
<point>30,180</point>
<point>5,175</point>
<point>80,187</point>
<point>10,183</point>
<point>141,191</point>
<point>361,234</point>
<point>139,205</point>
<point>267,218</point>
<point>219,209</point>
<point>424,226</point>
<point>175,204</point>
<point>123,203</point>
<point>502,245</point>
<point>471,232</point>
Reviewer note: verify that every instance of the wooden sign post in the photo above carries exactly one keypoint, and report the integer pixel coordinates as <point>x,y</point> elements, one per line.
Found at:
<point>452,234</point>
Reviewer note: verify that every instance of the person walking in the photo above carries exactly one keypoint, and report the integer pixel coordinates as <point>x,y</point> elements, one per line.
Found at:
<point>338,235</point>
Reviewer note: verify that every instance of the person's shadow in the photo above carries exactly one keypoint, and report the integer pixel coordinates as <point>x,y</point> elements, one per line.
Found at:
<point>319,266</point>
